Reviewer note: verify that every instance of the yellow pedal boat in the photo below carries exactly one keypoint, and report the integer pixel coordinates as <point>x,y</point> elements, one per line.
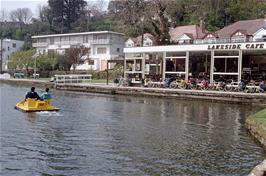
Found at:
<point>34,105</point>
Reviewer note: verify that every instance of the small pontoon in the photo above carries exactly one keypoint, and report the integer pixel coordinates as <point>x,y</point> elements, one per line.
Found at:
<point>34,105</point>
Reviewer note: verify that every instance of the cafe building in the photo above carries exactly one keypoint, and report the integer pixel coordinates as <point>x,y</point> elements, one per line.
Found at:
<point>235,52</point>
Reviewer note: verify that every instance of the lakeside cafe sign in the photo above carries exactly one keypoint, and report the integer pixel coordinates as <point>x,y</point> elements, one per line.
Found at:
<point>237,46</point>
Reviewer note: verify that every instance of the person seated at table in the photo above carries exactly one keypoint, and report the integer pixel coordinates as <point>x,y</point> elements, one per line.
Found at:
<point>262,86</point>
<point>168,81</point>
<point>32,94</point>
<point>46,95</point>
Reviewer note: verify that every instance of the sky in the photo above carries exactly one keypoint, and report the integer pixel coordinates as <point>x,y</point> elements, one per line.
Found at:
<point>9,5</point>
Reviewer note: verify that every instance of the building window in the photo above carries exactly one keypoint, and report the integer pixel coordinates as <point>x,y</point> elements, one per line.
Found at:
<point>99,37</point>
<point>130,45</point>
<point>8,48</point>
<point>118,50</point>
<point>51,41</point>
<point>147,44</point>
<point>101,50</point>
<point>264,38</point>
<point>42,40</point>
<point>14,45</point>
<point>91,62</point>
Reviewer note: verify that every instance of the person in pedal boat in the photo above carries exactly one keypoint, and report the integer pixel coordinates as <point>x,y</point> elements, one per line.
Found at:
<point>46,95</point>
<point>32,94</point>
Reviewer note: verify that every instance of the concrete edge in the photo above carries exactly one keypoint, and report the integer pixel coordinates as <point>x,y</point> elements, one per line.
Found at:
<point>195,95</point>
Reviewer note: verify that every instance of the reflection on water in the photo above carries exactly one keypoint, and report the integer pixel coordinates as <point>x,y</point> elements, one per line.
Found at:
<point>112,135</point>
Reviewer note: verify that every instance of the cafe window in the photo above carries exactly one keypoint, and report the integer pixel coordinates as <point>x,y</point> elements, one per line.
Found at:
<point>14,45</point>
<point>138,65</point>
<point>101,50</point>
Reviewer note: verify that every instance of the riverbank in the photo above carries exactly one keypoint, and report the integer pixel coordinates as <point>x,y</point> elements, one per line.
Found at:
<point>199,95</point>
<point>256,124</point>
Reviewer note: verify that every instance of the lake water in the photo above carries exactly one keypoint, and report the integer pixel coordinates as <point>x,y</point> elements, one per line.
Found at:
<point>97,134</point>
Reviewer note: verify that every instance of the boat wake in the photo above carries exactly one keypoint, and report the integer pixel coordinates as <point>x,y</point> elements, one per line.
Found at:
<point>50,113</point>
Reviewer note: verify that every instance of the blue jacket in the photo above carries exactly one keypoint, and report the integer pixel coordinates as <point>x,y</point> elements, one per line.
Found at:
<point>46,96</point>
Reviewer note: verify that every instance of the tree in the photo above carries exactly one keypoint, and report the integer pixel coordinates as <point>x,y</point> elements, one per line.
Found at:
<point>48,62</point>
<point>141,16</point>
<point>130,14</point>
<point>21,15</point>
<point>75,56</point>
<point>159,19</point>
<point>22,60</point>
<point>64,13</point>
<point>3,15</point>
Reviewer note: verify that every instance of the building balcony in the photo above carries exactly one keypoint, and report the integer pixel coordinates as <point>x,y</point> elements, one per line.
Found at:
<point>100,41</point>
<point>42,44</point>
<point>72,43</point>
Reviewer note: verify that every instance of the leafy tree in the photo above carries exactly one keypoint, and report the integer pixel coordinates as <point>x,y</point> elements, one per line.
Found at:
<point>144,15</point>
<point>64,13</point>
<point>48,62</point>
<point>22,60</point>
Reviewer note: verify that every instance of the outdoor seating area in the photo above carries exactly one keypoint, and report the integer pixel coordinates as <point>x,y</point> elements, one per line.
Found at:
<point>199,67</point>
<point>199,84</point>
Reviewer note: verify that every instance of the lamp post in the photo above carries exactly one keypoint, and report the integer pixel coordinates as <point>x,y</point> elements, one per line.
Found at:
<point>35,63</point>
<point>1,56</point>
<point>34,75</point>
<point>142,32</point>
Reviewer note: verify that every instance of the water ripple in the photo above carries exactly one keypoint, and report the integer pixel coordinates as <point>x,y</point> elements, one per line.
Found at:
<point>108,135</point>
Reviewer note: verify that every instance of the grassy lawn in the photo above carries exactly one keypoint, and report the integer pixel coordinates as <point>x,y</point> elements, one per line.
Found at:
<point>43,79</point>
<point>98,81</point>
<point>260,116</point>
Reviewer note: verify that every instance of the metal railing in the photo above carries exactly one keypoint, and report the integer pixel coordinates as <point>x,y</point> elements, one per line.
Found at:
<point>40,44</point>
<point>100,41</point>
<point>72,42</point>
<point>72,79</point>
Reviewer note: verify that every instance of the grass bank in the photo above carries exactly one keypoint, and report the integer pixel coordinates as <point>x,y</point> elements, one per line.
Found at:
<point>256,124</point>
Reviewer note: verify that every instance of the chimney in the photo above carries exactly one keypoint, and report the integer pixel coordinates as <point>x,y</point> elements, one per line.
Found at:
<point>202,26</point>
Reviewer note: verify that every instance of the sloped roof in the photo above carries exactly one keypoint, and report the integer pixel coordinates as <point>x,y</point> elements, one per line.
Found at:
<point>194,31</point>
<point>244,32</point>
<point>210,33</point>
<point>250,26</point>
<point>188,34</point>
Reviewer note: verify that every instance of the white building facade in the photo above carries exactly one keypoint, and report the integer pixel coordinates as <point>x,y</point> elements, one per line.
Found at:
<point>104,46</point>
<point>9,47</point>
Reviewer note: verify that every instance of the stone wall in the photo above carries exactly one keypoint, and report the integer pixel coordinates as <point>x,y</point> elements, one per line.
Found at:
<point>198,95</point>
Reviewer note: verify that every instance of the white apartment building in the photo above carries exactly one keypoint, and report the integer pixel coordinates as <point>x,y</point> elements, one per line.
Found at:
<point>104,45</point>
<point>9,47</point>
